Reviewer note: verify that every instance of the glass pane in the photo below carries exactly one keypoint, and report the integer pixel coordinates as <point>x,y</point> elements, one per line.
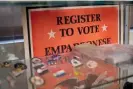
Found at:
<point>11,47</point>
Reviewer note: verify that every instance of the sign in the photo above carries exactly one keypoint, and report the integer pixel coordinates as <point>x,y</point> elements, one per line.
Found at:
<point>58,30</point>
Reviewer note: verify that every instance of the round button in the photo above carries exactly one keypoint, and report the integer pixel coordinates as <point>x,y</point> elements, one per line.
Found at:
<point>37,81</point>
<point>92,64</point>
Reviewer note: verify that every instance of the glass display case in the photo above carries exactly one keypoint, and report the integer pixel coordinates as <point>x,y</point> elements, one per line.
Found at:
<point>50,49</point>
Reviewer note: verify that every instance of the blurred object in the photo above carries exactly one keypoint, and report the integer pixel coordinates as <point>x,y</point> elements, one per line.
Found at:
<point>36,60</point>
<point>100,77</point>
<point>76,57</point>
<point>128,85</point>
<point>112,48</point>
<point>12,57</point>
<point>119,55</point>
<point>16,73</point>
<point>42,70</point>
<point>19,69</point>
<point>92,64</point>
<point>20,66</point>
<point>2,49</point>
<point>37,81</point>
<point>114,54</point>
<point>73,83</point>
<point>7,64</point>
<point>109,78</point>
<point>59,73</point>
<point>1,65</point>
<point>119,58</point>
<point>40,67</point>
<point>56,57</point>
<point>76,63</point>
<point>57,88</point>
<point>11,81</point>
<point>89,51</point>
<point>70,83</point>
